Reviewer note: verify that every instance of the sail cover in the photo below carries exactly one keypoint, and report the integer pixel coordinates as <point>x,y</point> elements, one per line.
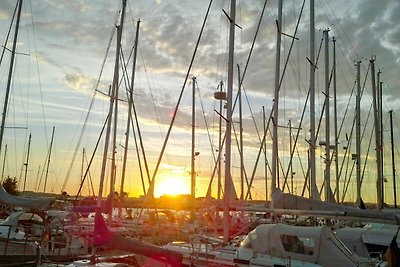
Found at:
<point>23,202</point>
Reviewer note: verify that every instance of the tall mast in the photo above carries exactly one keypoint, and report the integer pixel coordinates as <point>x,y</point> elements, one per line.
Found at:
<point>220,145</point>
<point>314,192</point>
<point>192,170</point>
<point>48,160</point>
<point>327,123</point>
<point>10,73</point>
<point>37,180</point>
<point>377,138</point>
<point>241,137</point>
<point>116,94</point>
<point>115,126</point>
<point>265,157</point>
<point>130,103</point>
<point>228,177</point>
<point>291,149</point>
<point>27,161</point>
<point>393,161</point>
<point>335,121</point>
<point>4,163</point>
<point>358,136</point>
<point>82,167</point>
<point>380,116</point>
<point>275,174</point>
<point>113,98</point>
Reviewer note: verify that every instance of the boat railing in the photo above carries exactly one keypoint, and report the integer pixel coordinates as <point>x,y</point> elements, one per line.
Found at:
<point>52,240</point>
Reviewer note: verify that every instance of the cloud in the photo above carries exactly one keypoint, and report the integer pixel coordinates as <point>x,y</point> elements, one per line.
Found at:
<point>4,14</point>
<point>79,82</point>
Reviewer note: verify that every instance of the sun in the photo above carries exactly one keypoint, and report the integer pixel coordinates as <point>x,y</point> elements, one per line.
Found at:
<point>171,185</point>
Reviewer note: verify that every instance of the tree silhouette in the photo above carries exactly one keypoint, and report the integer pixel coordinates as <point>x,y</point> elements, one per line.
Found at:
<point>11,185</point>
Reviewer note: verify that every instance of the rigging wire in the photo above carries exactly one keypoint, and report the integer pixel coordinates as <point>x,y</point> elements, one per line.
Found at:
<point>157,113</point>
<point>341,29</point>
<point>38,73</point>
<point>206,123</point>
<point>151,189</point>
<point>127,85</point>
<point>95,87</point>
<point>8,35</point>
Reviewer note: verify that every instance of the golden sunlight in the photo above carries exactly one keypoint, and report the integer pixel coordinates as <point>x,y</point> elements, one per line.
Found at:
<point>173,181</point>
<point>173,185</point>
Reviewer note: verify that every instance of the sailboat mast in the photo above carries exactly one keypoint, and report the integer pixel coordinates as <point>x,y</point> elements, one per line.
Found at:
<point>228,138</point>
<point>241,136</point>
<point>27,160</point>
<point>291,149</point>
<point>113,98</point>
<point>327,123</point>
<point>265,157</point>
<point>48,161</point>
<point>377,138</point>
<point>116,93</point>
<point>358,136</point>
<point>335,121</point>
<point>220,145</point>
<point>312,145</point>
<point>393,161</point>
<point>275,175</point>
<point>192,170</point>
<point>82,167</point>
<point>379,84</point>
<point>4,163</point>
<point>10,74</point>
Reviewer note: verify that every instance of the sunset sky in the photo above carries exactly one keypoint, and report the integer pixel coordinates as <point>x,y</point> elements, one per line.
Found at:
<point>62,46</point>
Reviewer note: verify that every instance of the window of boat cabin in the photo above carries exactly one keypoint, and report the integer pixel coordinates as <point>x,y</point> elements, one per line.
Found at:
<point>300,245</point>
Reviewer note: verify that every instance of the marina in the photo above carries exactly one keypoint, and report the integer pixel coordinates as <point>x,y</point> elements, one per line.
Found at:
<point>156,170</point>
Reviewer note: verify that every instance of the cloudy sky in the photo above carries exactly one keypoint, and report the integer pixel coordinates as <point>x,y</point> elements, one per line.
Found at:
<point>63,54</point>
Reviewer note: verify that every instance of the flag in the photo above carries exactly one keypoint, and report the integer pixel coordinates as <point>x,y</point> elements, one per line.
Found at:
<point>101,232</point>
